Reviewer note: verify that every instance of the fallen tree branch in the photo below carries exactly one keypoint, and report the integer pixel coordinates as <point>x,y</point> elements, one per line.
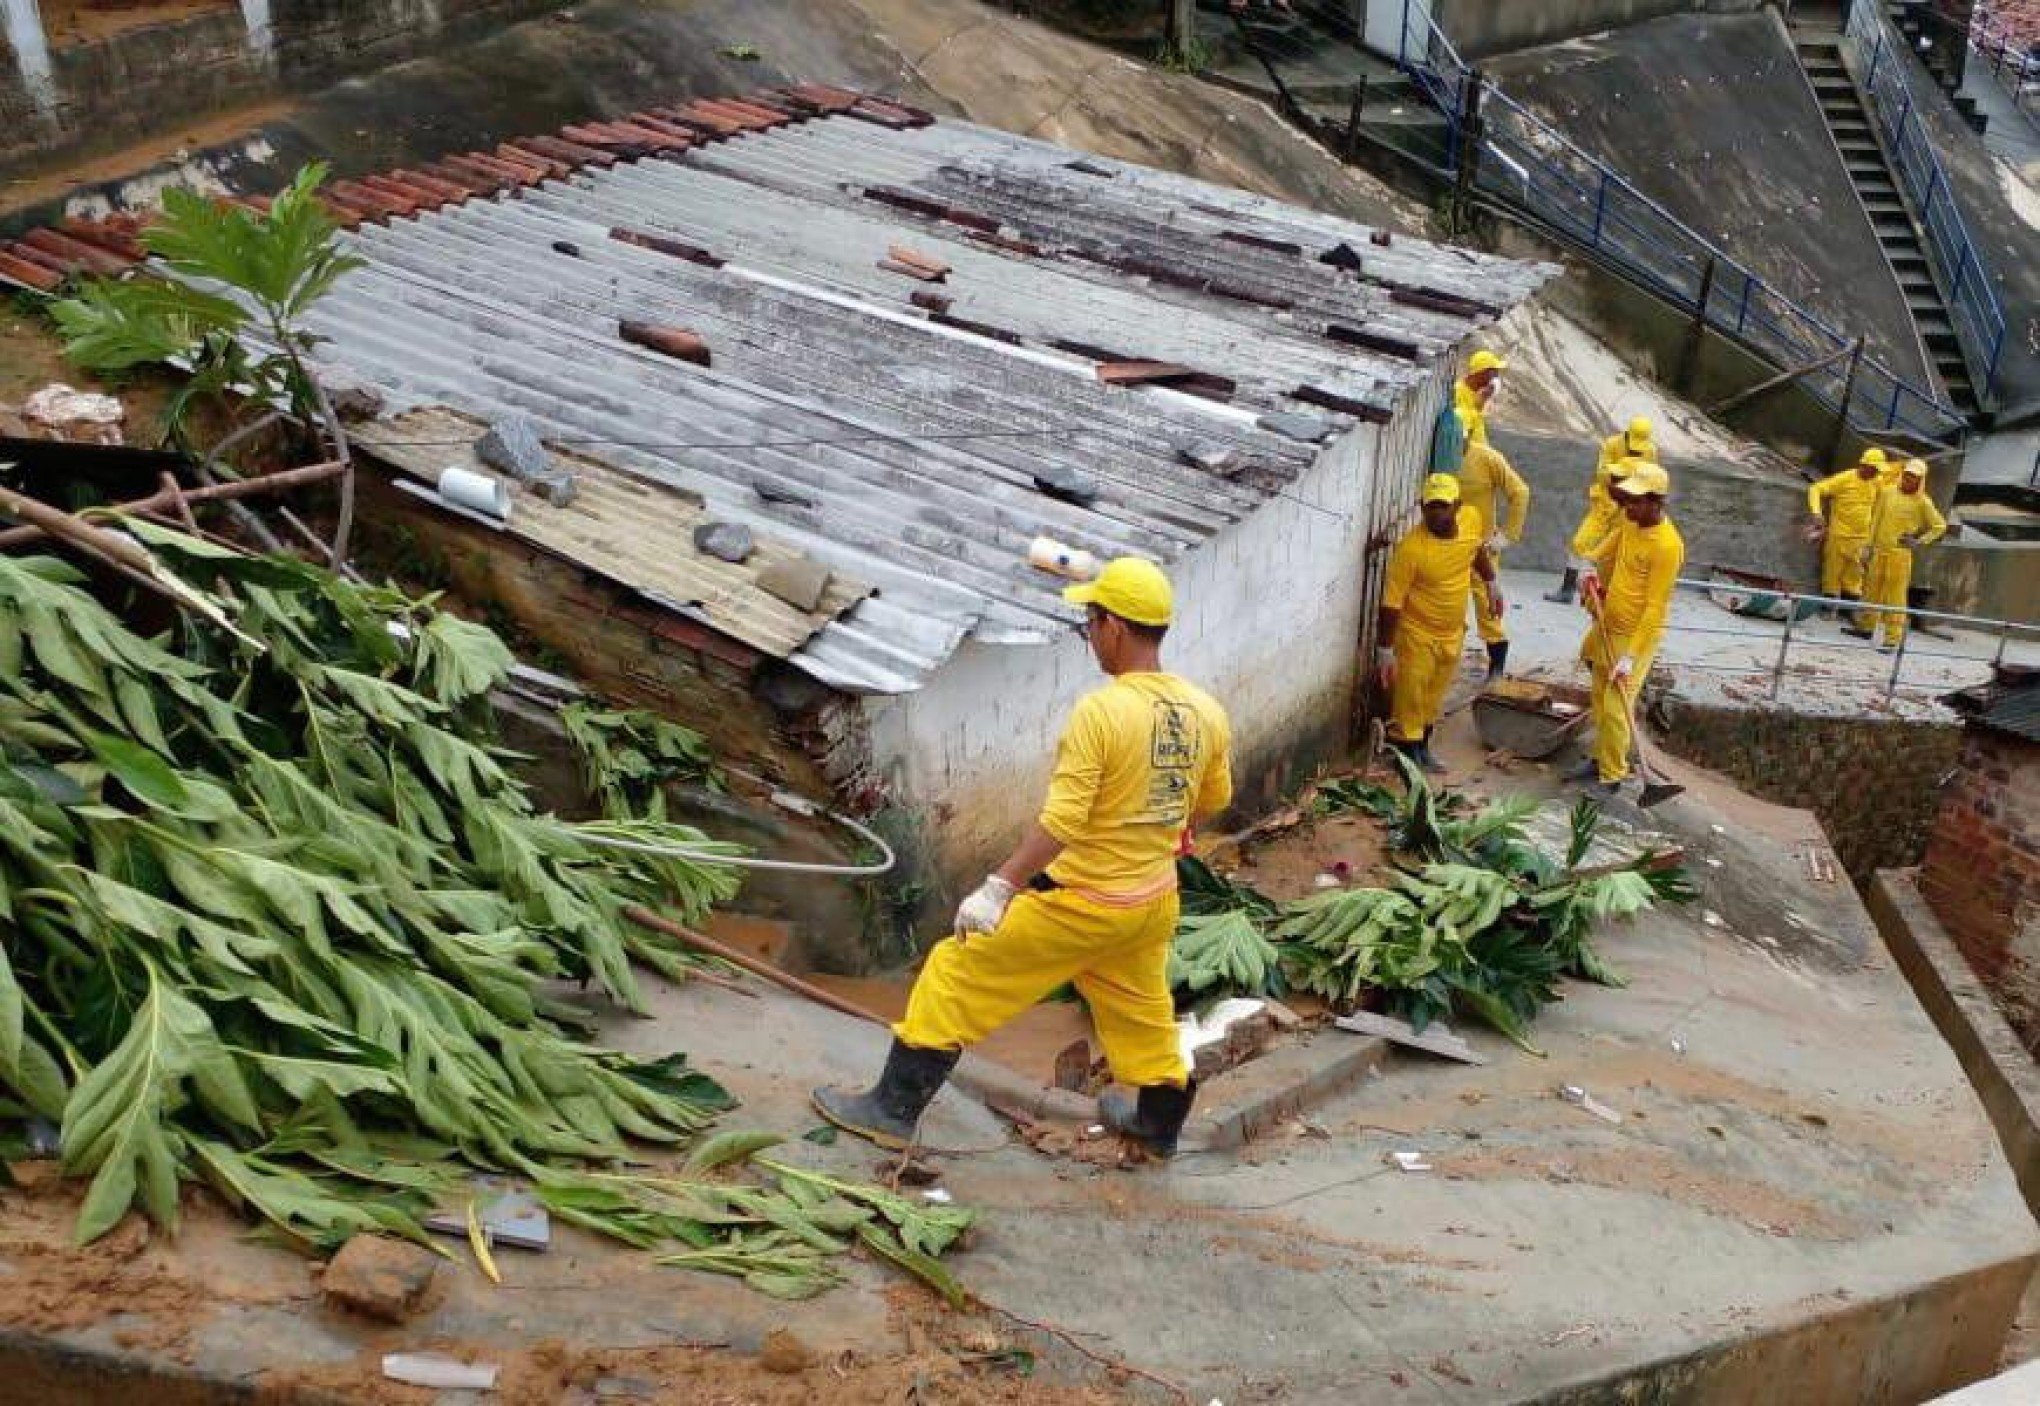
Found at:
<point>1110,1363</point>
<point>36,516</point>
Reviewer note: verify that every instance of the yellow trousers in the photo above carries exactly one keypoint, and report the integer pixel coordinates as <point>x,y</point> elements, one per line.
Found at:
<point>1118,958</point>
<point>1492,631</point>
<point>1613,706</point>
<point>1425,666</point>
<point>1890,578</point>
<point>1841,565</point>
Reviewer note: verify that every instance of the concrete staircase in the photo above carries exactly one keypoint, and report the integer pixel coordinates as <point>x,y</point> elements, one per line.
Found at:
<point>1870,170</point>
<point>1943,47</point>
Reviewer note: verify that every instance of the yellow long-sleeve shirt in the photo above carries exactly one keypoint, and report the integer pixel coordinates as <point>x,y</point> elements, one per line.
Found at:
<point>1639,566</point>
<point>1139,760</point>
<point>1429,576</point>
<point>1485,476</point>
<point>1901,514</point>
<point>1471,417</point>
<point>1614,449</point>
<point>1852,499</point>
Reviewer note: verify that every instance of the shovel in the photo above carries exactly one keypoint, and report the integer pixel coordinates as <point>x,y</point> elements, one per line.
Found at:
<point>1656,790</point>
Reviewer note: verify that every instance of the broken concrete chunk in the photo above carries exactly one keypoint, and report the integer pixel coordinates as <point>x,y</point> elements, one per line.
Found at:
<point>1309,428</point>
<point>513,446</point>
<point>1220,459</point>
<point>1067,484</point>
<point>800,581</point>
<point>728,541</point>
<point>380,1277</point>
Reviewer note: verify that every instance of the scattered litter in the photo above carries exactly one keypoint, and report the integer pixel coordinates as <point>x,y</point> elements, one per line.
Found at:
<point>78,415</point>
<point>1820,866</point>
<point>1095,1130</point>
<point>1580,1098</point>
<point>1410,1161</point>
<point>431,1369</point>
<point>1712,862</point>
<point>1326,881</point>
<point>514,1219</point>
<point>1719,829</point>
<point>1578,1330</point>
<point>1813,1120</point>
<point>1435,1039</point>
<point>482,494</point>
<point>1678,1044</point>
<point>936,1194</point>
<point>1712,918</point>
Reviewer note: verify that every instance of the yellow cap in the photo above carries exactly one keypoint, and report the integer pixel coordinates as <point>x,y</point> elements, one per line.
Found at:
<point>1641,428</point>
<point>1874,456</point>
<point>1441,488</point>
<point>1915,468</point>
<point>1640,477</point>
<point>1485,360</point>
<point>1129,587</point>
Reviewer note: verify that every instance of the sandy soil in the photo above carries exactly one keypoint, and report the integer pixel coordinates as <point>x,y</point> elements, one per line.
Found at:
<point>89,21</point>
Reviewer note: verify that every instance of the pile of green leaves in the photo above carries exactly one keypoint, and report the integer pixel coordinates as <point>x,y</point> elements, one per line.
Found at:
<point>279,919</point>
<point>630,757</point>
<point>1480,919</point>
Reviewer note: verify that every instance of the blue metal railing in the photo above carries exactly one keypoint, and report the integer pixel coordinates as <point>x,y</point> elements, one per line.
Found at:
<point>1534,167</point>
<point>1972,302</point>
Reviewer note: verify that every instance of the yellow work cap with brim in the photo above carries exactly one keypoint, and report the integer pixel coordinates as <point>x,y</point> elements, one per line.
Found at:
<point>1641,428</point>
<point>1441,488</point>
<point>1915,468</point>
<point>1643,479</point>
<point>1131,588</point>
<point>1874,456</point>
<point>1485,360</point>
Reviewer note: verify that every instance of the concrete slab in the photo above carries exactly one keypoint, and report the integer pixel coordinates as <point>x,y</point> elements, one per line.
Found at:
<point>2018,1387</point>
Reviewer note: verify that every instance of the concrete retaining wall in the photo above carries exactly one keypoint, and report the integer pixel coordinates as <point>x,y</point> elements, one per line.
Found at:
<point>1483,27</point>
<point>1872,782</point>
<point>105,94</point>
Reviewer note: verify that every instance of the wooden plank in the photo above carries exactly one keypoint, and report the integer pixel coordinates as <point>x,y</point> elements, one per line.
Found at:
<point>1430,1042</point>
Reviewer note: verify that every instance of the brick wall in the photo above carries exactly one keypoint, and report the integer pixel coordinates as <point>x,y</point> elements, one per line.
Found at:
<point>1874,783</point>
<point>1981,873</point>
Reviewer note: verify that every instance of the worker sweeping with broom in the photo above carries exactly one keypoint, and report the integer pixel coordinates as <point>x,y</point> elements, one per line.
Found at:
<point>1089,896</point>
<point>1628,591</point>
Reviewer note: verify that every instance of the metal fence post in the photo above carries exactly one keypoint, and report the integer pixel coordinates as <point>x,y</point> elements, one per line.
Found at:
<point>1898,658</point>
<point>1784,647</point>
<point>1402,40</point>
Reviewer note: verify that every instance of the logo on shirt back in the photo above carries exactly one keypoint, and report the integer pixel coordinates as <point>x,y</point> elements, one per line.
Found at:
<point>1173,756</point>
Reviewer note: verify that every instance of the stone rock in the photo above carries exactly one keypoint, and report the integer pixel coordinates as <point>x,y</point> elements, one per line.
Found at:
<point>728,541</point>
<point>380,1277</point>
<point>1070,485</point>
<point>513,446</point>
<point>801,582</point>
<point>784,1352</point>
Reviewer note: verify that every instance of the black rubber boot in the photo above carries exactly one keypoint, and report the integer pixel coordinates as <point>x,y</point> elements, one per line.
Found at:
<point>1497,659</point>
<point>1564,594</point>
<point>1156,1121</point>
<point>889,1111</point>
<point>1424,758</point>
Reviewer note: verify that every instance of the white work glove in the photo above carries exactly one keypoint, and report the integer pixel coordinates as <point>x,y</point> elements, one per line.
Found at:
<point>1817,531</point>
<point>1384,666</point>
<point>982,911</point>
<point>1624,667</point>
<point>1498,542</point>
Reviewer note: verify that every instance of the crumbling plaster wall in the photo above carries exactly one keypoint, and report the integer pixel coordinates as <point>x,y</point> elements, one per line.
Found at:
<point>1981,873</point>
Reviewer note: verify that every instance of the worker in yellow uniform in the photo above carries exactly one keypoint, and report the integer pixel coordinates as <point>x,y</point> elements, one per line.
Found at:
<point>1628,591</point>
<point>1475,391</point>
<point>1842,505</point>
<point>1638,441</point>
<point>1905,517</point>
<point>1089,896</point>
<point>1423,614</point>
<point>1486,485</point>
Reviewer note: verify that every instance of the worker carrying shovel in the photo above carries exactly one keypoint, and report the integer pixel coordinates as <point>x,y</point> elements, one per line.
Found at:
<point>1842,506</point>
<point>1603,513</point>
<point>1628,590</point>
<point>1905,517</point>
<point>1423,614</point>
<point>1089,897</point>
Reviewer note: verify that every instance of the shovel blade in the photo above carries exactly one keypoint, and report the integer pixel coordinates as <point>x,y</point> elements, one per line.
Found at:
<point>1657,793</point>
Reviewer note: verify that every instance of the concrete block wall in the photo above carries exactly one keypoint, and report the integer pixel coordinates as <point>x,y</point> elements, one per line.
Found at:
<point>1874,783</point>
<point>1479,28</point>
<point>109,93</point>
<point>1981,873</point>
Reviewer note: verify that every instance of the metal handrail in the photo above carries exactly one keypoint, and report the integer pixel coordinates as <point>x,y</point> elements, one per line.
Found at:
<point>1605,212</point>
<point>1992,42</point>
<point>1780,665</point>
<point>1971,299</point>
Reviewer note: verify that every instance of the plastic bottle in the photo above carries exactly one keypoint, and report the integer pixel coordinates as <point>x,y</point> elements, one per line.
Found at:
<point>1047,554</point>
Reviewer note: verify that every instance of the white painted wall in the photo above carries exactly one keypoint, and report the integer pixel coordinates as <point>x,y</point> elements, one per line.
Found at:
<point>1269,619</point>
<point>24,27</point>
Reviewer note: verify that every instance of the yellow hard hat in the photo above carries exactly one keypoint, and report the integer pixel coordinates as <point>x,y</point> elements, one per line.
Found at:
<point>1441,488</point>
<point>1641,478</point>
<point>1874,456</point>
<point>1129,587</point>
<point>1641,428</point>
<point>1485,360</point>
<point>1915,468</point>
